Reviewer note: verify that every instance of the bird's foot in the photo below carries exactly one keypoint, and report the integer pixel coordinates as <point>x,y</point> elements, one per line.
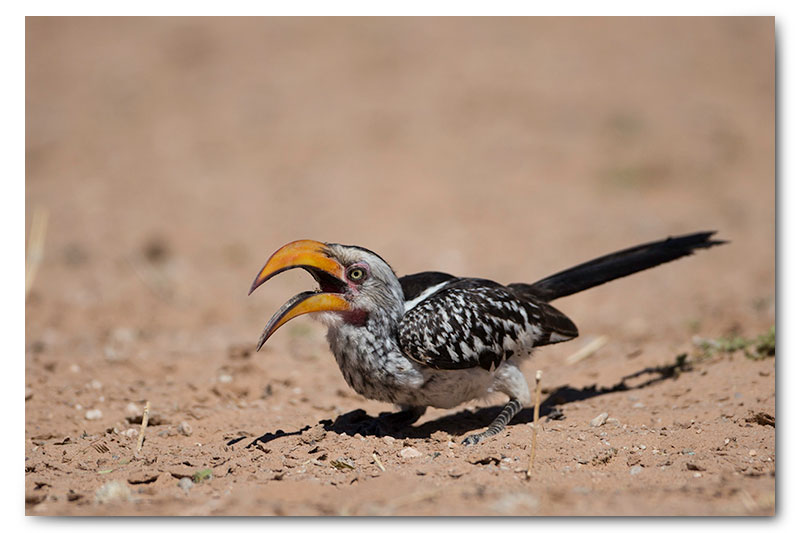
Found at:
<point>472,439</point>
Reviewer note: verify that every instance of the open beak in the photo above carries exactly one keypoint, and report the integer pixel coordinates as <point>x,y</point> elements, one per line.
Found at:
<point>311,256</point>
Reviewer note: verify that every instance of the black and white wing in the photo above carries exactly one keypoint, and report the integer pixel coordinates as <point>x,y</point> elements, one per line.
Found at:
<point>463,323</point>
<point>418,286</point>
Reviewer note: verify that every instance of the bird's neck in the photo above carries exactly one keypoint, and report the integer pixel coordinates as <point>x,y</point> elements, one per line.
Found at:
<point>370,359</point>
<point>378,321</point>
<point>382,322</point>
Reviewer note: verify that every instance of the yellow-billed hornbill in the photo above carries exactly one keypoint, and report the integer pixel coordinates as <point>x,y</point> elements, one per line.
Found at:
<point>433,339</point>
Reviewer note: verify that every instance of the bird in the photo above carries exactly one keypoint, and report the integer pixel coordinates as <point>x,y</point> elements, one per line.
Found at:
<point>434,339</point>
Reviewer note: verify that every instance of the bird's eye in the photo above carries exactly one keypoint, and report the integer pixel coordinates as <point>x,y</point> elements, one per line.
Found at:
<point>357,274</point>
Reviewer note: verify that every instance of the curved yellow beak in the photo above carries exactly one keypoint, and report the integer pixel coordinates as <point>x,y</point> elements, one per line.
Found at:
<point>312,256</point>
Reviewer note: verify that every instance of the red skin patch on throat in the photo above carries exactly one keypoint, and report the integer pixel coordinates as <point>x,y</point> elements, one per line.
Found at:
<point>357,317</point>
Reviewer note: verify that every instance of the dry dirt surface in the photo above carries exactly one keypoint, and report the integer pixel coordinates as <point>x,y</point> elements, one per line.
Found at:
<point>172,156</point>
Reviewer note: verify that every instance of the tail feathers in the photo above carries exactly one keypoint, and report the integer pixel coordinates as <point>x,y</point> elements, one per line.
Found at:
<point>617,265</point>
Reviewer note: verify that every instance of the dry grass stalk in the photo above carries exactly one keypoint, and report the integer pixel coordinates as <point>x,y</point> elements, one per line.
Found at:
<point>587,350</point>
<point>535,422</point>
<point>35,246</point>
<point>145,419</point>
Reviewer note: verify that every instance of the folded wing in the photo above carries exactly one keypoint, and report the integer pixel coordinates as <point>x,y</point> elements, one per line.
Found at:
<point>466,323</point>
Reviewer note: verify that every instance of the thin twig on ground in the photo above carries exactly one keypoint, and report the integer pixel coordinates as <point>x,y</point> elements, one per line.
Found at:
<point>535,422</point>
<point>145,418</point>
<point>588,350</point>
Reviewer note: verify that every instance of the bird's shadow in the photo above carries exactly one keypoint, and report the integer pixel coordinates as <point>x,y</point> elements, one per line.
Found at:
<point>355,422</point>
<point>266,437</point>
<point>465,421</point>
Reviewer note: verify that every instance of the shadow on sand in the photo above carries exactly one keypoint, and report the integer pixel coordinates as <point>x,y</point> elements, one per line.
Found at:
<point>359,422</point>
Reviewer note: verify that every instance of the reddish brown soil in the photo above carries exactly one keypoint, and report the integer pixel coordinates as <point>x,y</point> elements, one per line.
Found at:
<point>173,156</point>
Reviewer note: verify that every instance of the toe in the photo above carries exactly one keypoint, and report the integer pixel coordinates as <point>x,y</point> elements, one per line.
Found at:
<point>471,440</point>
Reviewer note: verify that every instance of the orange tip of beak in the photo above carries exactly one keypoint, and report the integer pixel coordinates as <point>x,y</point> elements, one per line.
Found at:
<point>303,303</point>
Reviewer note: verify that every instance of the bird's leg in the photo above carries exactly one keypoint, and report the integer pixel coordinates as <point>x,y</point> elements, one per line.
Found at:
<point>498,424</point>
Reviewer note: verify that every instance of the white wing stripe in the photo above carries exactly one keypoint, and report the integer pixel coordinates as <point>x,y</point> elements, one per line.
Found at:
<point>427,292</point>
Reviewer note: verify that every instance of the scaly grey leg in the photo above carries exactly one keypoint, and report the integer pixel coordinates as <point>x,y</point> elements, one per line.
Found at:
<point>498,424</point>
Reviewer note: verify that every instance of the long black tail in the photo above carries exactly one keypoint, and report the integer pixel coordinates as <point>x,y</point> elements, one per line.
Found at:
<point>617,265</point>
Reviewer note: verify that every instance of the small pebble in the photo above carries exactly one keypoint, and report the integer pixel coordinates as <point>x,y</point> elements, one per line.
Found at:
<point>113,491</point>
<point>636,470</point>
<point>184,428</point>
<point>388,439</point>
<point>410,452</point>
<point>343,463</point>
<point>752,453</point>
<point>225,378</point>
<point>643,447</point>
<point>94,414</point>
<point>185,483</point>
<point>638,405</point>
<point>599,420</point>
<point>95,384</point>
<point>132,409</point>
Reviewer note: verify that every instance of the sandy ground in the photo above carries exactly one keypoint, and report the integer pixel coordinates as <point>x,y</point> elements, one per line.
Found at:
<point>172,156</point>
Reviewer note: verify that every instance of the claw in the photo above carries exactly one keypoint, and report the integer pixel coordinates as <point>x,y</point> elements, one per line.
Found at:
<point>472,440</point>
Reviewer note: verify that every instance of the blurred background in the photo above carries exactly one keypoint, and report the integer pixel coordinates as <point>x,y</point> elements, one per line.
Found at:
<point>174,155</point>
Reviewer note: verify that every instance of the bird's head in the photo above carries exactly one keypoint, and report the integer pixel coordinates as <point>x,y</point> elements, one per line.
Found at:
<point>354,283</point>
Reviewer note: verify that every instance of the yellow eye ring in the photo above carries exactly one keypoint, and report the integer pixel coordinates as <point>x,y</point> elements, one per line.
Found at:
<point>357,274</point>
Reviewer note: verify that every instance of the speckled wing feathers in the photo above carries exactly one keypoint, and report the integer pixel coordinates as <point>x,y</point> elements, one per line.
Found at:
<point>474,322</point>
